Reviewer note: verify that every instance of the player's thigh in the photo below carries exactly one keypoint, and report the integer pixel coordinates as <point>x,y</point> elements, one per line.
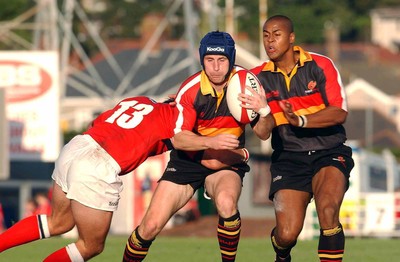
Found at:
<point>92,224</point>
<point>329,187</point>
<point>226,182</point>
<point>329,183</point>
<point>290,209</point>
<point>61,219</point>
<point>168,198</point>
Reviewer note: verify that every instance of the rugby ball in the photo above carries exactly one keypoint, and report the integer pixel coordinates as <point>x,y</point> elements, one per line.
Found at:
<point>236,85</point>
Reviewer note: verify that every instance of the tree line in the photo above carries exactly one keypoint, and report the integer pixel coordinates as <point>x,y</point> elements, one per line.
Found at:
<point>122,18</point>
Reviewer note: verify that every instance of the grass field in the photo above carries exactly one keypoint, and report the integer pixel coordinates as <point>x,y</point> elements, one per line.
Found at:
<point>206,250</point>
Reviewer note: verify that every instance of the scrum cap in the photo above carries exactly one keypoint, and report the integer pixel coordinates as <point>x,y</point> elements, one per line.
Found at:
<point>218,43</point>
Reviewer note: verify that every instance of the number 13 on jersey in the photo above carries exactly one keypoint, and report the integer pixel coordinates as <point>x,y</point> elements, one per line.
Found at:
<point>129,120</point>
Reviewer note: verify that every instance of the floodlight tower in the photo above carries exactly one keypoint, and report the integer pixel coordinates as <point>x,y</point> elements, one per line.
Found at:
<point>45,35</point>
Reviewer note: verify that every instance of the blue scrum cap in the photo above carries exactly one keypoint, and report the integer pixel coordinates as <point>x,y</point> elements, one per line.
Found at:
<point>218,43</point>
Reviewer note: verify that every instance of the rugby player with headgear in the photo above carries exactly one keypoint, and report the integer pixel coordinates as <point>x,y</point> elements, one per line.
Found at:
<point>204,122</point>
<point>87,184</point>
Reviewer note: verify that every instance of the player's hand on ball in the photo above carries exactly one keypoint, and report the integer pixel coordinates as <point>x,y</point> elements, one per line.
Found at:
<point>256,101</point>
<point>239,83</point>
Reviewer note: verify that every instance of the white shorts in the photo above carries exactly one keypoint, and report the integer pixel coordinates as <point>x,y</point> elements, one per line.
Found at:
<point>88,174</point>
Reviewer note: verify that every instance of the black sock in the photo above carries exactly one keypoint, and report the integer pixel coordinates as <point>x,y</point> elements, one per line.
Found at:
<point>331,244</point>
<point>136,248</point>
<point>228,236</point>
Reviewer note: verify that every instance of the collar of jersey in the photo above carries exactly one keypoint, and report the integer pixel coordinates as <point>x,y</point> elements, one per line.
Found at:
<point>304,57</point>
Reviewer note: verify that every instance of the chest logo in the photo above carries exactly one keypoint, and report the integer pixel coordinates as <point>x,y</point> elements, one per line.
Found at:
<point>274,93</point>
<point>311,85</point>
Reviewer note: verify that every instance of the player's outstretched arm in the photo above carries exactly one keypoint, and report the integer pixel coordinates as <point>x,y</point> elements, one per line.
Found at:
<point>217,159</point>
<point>189,141</point>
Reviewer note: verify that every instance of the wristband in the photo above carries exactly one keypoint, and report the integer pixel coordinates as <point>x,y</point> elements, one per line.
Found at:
<point>246,155</point>
<point>263,112</point>
<point>302,120</point>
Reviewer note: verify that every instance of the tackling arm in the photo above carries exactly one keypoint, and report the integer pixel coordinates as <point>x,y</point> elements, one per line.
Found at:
<point>189,141</point>
<point>217,159</point>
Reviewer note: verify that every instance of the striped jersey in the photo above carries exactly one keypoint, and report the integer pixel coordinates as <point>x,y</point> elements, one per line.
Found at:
<point>313,84</point>
<point>204,111</point>
<point>135,129</point>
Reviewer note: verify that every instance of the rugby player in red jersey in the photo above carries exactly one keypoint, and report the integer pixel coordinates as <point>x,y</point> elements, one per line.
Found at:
<point>87,184</point>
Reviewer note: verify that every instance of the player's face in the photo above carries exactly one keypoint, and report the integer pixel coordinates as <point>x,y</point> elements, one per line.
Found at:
<point>277,40</point>
<point>216,68</point>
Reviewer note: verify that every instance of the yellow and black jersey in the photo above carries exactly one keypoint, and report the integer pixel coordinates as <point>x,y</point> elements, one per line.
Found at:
<point>204,111</point>
<point>313,84</point>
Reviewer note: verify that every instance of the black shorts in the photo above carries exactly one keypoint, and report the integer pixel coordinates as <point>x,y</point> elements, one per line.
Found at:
<point>295,170</point>
<point>184,169</point>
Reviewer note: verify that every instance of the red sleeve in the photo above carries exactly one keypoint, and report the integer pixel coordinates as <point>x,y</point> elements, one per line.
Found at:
<point>334,87</point>
<point>256,70</point>
<point>185,100</point>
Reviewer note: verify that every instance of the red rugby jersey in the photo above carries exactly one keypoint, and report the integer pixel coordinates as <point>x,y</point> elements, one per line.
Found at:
<point>134,130</point>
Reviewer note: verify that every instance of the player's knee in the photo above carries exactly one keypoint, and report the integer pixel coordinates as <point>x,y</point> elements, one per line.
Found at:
<point>90,249</point>
<point>93,250</point>
<point>59,226</point>
<point>328,211</point>
<point>285,237</point>
<point>328,205</point>
<point>149,229</point>
<point>97,250</point>
<point>226,205</point>
<point>328,216</point>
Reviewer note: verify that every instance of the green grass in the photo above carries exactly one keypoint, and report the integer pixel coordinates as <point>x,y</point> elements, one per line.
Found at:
<point>206,250</point>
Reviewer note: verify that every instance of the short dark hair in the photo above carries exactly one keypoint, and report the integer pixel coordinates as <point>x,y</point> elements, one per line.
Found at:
<point>283,18</point>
